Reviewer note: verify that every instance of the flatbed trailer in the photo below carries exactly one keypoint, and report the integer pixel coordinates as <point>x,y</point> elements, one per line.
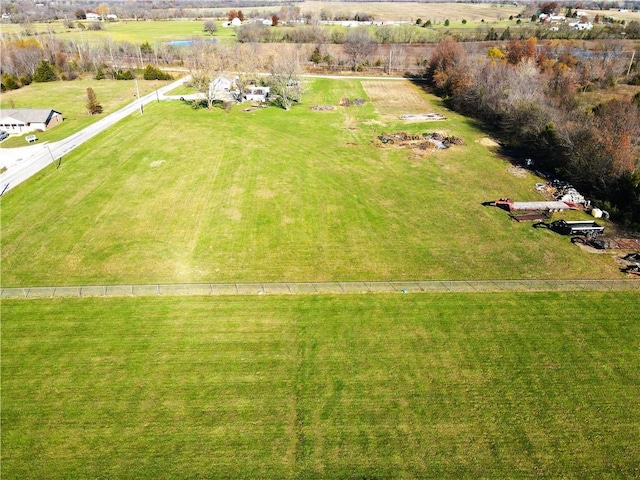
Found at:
<point>587,228</point>
<point>542,206</point>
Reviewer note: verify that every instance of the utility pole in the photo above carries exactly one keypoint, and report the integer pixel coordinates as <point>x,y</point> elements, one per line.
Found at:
<point>138,94</point>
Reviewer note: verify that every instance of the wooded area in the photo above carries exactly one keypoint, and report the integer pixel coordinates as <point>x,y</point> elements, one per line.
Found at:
<point>530,95</point>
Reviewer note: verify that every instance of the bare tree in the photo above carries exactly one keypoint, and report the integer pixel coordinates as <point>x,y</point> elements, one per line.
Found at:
<point>359,45</point>
<point>210,26</point>
<point>284,68</point>
<point>396,58</point>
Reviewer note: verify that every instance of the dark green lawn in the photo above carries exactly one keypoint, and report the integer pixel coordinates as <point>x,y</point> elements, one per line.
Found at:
<point>368,386</point>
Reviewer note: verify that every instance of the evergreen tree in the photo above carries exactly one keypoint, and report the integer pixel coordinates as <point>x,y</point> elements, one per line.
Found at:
<point>93,106</point>
<point>44,73</point>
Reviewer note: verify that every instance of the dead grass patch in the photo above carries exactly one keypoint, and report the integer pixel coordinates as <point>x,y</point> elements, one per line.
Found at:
<point>488,142</point>
<point>403,98</point>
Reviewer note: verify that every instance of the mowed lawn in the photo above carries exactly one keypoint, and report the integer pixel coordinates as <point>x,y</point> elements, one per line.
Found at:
<point>184,195</point>
<point>70,99</point>
<point>369,386</point>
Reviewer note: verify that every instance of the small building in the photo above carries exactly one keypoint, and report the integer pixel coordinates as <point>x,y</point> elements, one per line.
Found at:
<point>92,16</point>
<point>223,89</point>
<point>256,94</point>
<point>25,120</point>
<point>236,22</point>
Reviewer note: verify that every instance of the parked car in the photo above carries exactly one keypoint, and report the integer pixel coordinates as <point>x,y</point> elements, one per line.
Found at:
<point>3,135</point>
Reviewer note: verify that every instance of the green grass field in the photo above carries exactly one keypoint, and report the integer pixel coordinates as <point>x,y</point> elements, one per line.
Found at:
<point>154,32</point>
<point>369,386</point>
<point>70,98</point>
<point>183,195</point>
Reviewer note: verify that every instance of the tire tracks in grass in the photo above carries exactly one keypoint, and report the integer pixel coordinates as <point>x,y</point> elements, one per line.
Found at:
<point>303,440</point>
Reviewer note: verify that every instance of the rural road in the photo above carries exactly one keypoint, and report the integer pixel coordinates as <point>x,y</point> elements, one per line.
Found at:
<point>24,162</point>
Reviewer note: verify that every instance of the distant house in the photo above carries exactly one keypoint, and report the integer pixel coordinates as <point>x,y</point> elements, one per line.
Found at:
<point>112,16</point>
<point>236,22</point>
<point>25,120</point>
<point>92,16</point>
<point>255,94</point>
<point>581,25</point>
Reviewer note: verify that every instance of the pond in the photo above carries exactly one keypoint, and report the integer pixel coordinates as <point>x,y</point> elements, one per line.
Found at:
<point>188,43</point>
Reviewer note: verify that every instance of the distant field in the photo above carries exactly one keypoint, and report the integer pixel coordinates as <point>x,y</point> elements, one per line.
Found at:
<point>183,195</point>
<point>70,98</point>
<point>135,32</point>
<point>406,386</point>
<point>411,11</point>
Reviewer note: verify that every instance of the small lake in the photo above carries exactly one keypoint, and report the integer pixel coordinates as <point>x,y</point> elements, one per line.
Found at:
<point>188,43</point>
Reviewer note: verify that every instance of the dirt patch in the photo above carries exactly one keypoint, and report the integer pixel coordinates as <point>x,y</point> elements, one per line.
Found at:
<point>488,142</point>
<point>322,108</point>
<point>265,193</point>
<point>517,171</point>
<point>157,163</point>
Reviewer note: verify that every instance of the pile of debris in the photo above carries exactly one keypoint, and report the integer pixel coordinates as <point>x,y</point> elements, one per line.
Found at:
<point>322,108</point>
<point>346,102</point>
<point>631,263</point>
<point>424,141</point>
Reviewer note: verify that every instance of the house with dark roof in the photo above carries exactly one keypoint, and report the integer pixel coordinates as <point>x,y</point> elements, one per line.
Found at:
<point>23,120</point>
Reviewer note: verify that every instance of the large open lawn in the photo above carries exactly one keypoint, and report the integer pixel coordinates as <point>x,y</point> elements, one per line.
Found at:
<point>184,195</point>
<point>369,386</point>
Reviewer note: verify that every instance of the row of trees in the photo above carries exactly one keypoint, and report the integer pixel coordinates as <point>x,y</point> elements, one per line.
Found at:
<point>530,96</point>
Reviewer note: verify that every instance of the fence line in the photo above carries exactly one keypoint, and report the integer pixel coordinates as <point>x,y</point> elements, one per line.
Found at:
<point>317,288</point>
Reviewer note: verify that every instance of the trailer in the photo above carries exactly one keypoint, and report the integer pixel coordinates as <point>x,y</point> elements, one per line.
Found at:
<point>555,206</point>
<point>587,228</point>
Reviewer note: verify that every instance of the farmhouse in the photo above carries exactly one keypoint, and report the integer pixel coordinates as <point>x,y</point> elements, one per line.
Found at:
<point>28,120</point>
<point>224,88</point>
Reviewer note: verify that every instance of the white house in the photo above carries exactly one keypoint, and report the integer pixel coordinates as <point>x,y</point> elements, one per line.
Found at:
<point>223,89</point>
<point>236,22</point>
<point>28,120</point>
<point>92,16</point>
<point>256,94</point>
<point>581,25</point>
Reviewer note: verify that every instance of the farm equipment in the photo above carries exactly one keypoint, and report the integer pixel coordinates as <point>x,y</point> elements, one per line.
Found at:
<point>587,228</point>
<point>555,206</point>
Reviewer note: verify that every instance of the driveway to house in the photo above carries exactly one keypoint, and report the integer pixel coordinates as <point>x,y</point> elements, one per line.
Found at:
<point>24,162</point>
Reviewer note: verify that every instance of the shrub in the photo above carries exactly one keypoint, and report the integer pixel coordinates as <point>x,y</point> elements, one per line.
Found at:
<point>10,82</point>
<point>126,75</point>
<point>153,73</point>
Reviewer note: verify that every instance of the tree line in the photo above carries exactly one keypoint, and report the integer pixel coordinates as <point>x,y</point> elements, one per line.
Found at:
<point>532,96</point>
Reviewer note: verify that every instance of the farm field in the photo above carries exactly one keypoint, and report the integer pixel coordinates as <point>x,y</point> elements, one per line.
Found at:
<point>154,32</point>
<point>365,386</point>
<point>70,99</point>
<point>411,11</point>
<point>184,195</point>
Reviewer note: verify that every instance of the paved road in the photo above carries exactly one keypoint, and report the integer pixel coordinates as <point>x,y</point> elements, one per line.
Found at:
<point>24,162</point>
<point>319,288</point>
